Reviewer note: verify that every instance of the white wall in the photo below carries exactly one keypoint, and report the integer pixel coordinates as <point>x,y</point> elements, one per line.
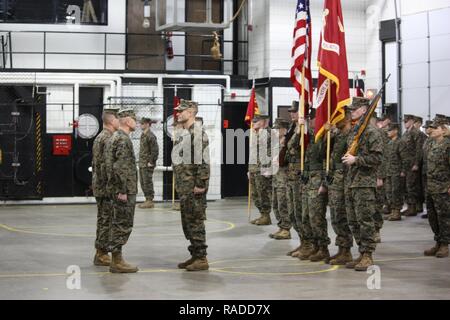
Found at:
<point>65,42</point>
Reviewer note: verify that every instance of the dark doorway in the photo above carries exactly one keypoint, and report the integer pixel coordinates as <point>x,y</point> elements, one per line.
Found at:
<point>234,175</point>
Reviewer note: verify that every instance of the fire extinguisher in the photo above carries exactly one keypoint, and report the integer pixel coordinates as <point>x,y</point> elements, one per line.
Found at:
<point>169,46</point>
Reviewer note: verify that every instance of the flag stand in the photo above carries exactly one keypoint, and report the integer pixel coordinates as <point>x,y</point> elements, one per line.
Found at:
<point>328,131</point>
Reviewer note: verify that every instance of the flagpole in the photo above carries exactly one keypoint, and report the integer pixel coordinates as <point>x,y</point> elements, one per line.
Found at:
<point>249,200</point>
<point>249,205</point>
<point>329,131</point>
<point>302,126</point>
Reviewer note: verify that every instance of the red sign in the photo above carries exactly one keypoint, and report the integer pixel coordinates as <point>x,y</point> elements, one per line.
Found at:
<point>62,145</point>
<point>225,124</point>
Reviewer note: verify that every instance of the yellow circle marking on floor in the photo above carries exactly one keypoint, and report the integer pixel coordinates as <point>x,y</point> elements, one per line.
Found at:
<point>229,226</point>
<point>218,269</point>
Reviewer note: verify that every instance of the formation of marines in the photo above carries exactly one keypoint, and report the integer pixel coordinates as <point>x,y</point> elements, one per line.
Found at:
<point>389,170</point>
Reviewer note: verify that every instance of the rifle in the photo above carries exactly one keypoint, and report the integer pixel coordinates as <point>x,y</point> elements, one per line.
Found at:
<point>364,121</point>
<point>282,154</point>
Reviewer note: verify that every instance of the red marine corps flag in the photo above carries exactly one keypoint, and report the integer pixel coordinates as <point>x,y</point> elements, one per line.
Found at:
<point>252,108</point>
<point>332,90</point>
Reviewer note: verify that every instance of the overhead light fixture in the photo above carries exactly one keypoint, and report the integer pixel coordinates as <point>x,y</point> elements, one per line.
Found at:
<point>146,22</point>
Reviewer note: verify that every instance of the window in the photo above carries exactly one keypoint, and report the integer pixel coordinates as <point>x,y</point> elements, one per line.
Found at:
<point>92,12</point>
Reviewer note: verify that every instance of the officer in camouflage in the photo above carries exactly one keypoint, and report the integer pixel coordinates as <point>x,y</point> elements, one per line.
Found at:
<point>191,156</point>
<point>362,179</point>
<point>410,154</point>
<point>279,196</point>
<point>337,190</point>
<point>99,180</point>
<point>438,187</point>
<point>314,196</point>
<point>392,164</point>
<point>294,186</point>
<point>122,187</point>
<point>148,155</point>
<point>418,121</point>
<point>260,169</point>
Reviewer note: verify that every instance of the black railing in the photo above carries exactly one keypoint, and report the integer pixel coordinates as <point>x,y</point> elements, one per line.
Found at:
<point>227,65</point>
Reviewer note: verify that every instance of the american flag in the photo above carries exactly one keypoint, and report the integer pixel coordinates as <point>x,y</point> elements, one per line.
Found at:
<point>301,50</point>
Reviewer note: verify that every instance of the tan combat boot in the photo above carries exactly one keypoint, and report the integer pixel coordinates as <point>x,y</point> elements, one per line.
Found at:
<point>342,259</point>
<point>307,251</point>
<point>432,251</point>
<point>321,255</point>
<point>255,220</point>
<point>395,215</point>
<point>118,265</point>
<point>264,220</point>
<point>176,206</point>
<point>199,264</point>
<point>283,234</point>
<point>295,250</point>
<point>183,265</point>
<point>411,212</point>
<point>148,204</point>
<point>334,255</point>
<point>102,258</point>
<point>443,251</point>
<point>377,236</point>
<point>365,262</point>
<point>353,263</point>
<point>271,235</point>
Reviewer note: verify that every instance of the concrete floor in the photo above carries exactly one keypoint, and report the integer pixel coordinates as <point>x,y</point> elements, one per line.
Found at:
<point>38,243</point>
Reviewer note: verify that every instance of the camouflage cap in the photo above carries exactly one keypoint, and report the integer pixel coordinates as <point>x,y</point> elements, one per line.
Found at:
<point>427,124</point>
<point>148,120</point>
<point>293,107</point>
<point>437,123</point>
<point>111,109</point>
<point>418,119</point>
<point>258,117</point>
<point>129,112</point>
<point>407,117</point>
<point>186,104</point>
<point>393,126</point>
<point>281,123</point>
<point>442,118</point>
<point>358,102</point>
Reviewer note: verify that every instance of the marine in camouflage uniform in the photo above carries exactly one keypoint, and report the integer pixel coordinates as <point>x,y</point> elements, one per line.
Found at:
<point>422,138</point>
<point>425,148</point>
<point>410,153</point>
<point>336,193</point>
<point>279,192</point>
<point>260,170</point>
<point>122,187</point>
<point>392,164</point>
<point>438,188</point>
<point>314,196</point>
<point>362,176</point>
<point>148,155</point>
<point>193,170</point>
<point>99,180</point>
<point>295,187</point>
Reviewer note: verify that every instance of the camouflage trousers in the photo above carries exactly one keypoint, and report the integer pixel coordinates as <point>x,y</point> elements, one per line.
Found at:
<point>122,222</point>
<point>339,222</point>
<point>380,200</point>
<point>104,218</point>
<point>261,192</point>
<point>280,207</point>
<point>412,187</point>
<point>314,208</point>
<point>146,179</point>
<point>393,187</point>
<point>420,187</point>
<point>193,216</point>
<point>438,209</point>
<point>360,205</point>
<point>295,200</point>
